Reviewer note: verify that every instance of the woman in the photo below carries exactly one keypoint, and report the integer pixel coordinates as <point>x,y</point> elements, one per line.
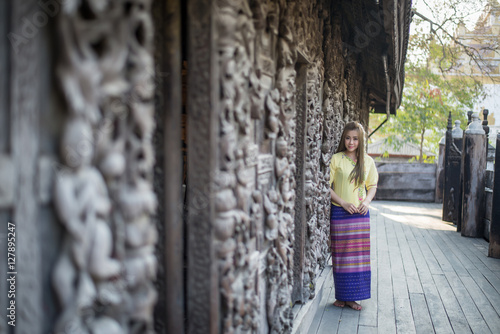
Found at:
<point>353,180</point>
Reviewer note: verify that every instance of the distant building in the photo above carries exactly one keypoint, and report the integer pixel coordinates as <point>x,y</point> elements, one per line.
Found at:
<point>380,150</point>
<point>484,37</point>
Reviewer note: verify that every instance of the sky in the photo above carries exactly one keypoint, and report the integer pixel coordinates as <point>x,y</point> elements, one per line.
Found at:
<point>437,11</point>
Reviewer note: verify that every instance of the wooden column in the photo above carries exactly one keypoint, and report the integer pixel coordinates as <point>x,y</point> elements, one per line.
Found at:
<point>461,179</point>
<point>486,128</point>
<point>25,87</point>
<point>300,206</point>
<point>6,198</point>
<point>203,305</point>
<point>452,186</point>
<point>438,196</point>
<point>447,204</point>
<point>474,167</point>
<point>169,310</point>
<point>456,152</point>
<point>469,117</point>
<point>494,249</point>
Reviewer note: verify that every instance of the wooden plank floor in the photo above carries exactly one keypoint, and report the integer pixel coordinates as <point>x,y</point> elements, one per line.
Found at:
<point>426,278</point>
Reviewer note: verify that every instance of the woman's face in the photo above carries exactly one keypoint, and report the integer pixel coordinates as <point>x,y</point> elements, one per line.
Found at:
<point>352,140</point>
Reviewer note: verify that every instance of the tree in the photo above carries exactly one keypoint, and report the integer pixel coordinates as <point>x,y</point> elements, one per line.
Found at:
<point>444,24</point>
<point>432,86</point>
<point>427,100</point>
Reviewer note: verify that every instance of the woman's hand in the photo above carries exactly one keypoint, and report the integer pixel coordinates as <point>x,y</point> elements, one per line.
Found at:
<point>363,208</point>
<point>349,207</point>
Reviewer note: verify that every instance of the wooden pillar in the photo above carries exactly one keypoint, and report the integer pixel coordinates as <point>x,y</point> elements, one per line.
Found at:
<point>469,117</point>
<point>25,85</point>
<point>6,195</point>
<point>300,204</point>
<point>456,152</point>
<point>494,249</point>
<point>447,204</point>
<point>461,180</point>
<point>438,196</point>
<point>486,128</point>
<point>474,167</point>
<point>452,165</point>
<point>169,310</point>
<point>203,307</point>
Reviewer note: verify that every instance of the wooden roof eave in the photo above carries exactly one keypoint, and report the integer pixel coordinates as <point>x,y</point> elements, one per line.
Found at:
<point>397,26</point>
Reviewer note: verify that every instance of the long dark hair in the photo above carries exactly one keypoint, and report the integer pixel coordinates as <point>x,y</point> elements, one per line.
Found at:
<point>357,173</point>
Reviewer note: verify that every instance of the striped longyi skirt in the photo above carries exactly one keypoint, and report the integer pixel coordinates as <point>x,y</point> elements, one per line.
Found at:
<point>350,235</point>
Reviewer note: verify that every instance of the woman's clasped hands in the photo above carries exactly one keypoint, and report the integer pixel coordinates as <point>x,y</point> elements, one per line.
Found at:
<point>351,208</point>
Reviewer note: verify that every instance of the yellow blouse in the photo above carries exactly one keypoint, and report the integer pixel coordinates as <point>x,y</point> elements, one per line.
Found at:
<point>341,167</point>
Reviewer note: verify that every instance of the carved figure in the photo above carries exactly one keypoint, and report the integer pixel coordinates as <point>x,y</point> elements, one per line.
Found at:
<point>106,75</point>
<point>83,206</point>
<point>272,108</point>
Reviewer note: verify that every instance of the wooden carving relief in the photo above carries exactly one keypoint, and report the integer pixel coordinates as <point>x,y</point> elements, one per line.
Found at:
<point>281,257</point>
<point>308,21</point>
<point>236,195</point>
<point>317,231</point>
<point>333,105</point>
<point>319,136</point>
<point>257,55</point>
<point>333,91</point>
<point>200,175</point>
<point>352,91</point>
<point>255,178</point>
<point>103,192</point>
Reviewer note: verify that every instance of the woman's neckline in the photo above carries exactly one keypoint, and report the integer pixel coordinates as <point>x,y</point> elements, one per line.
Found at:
<point>348,157</point>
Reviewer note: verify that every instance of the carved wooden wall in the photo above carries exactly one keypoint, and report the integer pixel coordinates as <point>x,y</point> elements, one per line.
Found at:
<point>269,91</point>
<point>261,139</point>
<point>103,191</point>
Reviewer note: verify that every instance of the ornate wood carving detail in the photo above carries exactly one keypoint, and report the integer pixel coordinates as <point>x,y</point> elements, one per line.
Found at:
<point>316,247</point>
<point>257,46</point>
<point>308,21</point>
<point>236,195</point>
<point>255,192</point>
<point>333,91</point>
<point>103,191</point>
<point>203,92</point>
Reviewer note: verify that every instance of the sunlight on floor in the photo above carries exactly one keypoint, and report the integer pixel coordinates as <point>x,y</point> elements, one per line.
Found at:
<point>421,215</point>
<point>413,209</point>
<point>420,221</point>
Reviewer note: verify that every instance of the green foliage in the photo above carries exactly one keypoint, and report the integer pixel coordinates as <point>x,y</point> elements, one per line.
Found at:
<point>428,97</point>
<point>426,159</point>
